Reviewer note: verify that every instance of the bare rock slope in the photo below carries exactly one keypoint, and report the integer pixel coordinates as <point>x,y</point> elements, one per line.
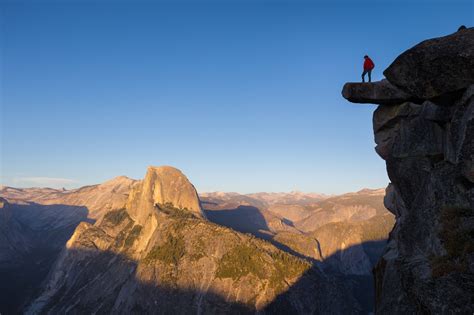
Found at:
<point>428,146</point>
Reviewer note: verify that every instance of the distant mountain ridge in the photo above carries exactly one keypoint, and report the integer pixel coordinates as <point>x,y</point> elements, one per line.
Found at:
<point>293,197</point>
<point>98,199</point>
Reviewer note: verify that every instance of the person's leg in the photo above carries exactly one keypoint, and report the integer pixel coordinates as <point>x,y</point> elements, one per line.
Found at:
<point>370,75</point>
<point>363,76</point>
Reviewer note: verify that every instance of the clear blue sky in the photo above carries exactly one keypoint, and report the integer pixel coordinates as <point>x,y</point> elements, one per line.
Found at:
<point>240,95</point>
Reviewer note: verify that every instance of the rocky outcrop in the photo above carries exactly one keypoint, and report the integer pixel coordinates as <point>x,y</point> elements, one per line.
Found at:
<point>162,185</point>
<point>428,146</point>
<point>381,92</point>
<point>436,69</point>
<point>31,236</point>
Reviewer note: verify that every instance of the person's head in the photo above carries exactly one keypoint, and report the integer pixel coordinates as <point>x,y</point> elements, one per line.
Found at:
<point>462,27</point>
<point>365,57</point>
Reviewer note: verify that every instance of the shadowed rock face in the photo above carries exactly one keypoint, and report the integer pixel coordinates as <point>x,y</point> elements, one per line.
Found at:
<point>425,121</point>
<point>436,66</point>
<point>31,237</point>
<point>428,264</point>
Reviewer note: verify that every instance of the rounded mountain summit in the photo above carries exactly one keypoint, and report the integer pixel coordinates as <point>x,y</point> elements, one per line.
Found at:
<point>162,185</point>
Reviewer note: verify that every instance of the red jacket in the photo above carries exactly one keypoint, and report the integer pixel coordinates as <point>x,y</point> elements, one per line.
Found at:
<point>368,64</point>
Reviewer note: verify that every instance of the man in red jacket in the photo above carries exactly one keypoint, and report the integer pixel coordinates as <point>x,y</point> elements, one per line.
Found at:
<point>368,66</point>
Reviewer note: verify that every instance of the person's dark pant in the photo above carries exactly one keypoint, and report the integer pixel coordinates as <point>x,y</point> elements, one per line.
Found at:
<point>369,72</point>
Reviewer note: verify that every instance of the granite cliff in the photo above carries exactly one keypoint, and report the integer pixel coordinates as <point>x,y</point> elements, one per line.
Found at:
<point>424,130</point>
<point>162,185</point>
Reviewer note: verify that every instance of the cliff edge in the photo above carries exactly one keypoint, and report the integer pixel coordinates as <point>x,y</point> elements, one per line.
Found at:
<point>424,130</point>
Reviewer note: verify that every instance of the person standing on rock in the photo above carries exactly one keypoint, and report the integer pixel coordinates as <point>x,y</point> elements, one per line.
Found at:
<point>368,66</point>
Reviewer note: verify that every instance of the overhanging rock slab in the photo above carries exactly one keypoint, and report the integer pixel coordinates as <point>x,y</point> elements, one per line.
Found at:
<point>380,92</point>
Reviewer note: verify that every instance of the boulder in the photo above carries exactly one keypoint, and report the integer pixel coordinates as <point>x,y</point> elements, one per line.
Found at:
<point>435,66</point>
